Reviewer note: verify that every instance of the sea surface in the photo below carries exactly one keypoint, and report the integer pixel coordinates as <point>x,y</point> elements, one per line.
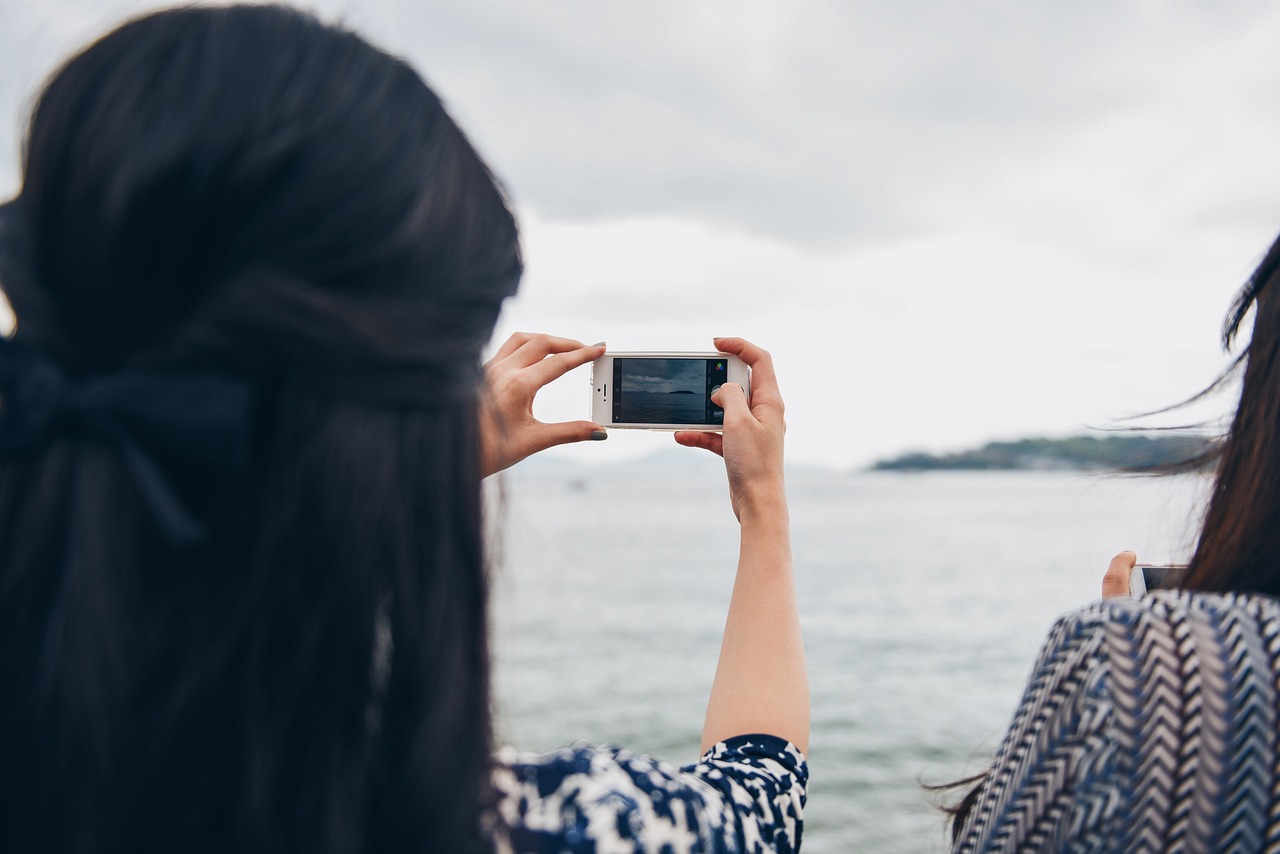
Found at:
<point>642,407</point>
<point>924,598</point>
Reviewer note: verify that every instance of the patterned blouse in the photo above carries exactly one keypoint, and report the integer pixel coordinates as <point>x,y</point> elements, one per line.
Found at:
<point>1148,724</point>
<point>745,795</point>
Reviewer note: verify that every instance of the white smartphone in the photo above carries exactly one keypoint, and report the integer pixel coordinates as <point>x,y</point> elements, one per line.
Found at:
<point>1154,576</point>
<point>663,391</point>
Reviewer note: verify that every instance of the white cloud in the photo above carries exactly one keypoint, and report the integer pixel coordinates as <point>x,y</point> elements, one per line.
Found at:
<point>933,343</point>
<point>948,221</point>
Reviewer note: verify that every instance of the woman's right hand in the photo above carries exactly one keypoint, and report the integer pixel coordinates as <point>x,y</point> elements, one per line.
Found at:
<point>751,443</point>
<point>1116,581</point>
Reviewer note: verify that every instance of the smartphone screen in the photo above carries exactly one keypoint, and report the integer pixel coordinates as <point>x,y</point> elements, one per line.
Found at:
<point>1147,577</point>
<point>667,390</point>
<point>1163,577</point>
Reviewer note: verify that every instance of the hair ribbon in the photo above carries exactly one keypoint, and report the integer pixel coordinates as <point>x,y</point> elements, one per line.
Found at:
<point>202,418</point>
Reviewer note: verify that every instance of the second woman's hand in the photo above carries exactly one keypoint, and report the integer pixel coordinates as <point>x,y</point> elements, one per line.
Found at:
<point>513,377</point>
<point>1116,580</point>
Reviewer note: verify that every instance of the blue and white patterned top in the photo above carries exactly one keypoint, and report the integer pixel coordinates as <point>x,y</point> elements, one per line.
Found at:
<point>1148,724</point>
<point>745,795</point>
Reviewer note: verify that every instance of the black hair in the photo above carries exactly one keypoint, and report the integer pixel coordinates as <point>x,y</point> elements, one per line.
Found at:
<point>1239,545</point>
<point>246,191</point>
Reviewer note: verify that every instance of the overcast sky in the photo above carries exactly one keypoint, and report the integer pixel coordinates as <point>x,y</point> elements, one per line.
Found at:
<point>949,222</point>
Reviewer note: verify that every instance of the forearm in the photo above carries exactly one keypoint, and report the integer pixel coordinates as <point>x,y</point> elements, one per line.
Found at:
<point>761,684</point>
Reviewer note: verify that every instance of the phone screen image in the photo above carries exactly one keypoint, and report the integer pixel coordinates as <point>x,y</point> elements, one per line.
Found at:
<point>1163,577</point>
<point>667,391</point>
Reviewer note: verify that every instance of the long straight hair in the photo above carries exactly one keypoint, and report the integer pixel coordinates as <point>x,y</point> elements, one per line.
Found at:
<point>1239,545</point>
<point>246,191</point>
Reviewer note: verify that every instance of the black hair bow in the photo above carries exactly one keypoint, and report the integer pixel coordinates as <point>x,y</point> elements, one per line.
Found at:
<point>202,418</point>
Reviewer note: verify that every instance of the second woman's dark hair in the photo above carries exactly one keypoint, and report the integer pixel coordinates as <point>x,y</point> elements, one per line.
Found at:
<point>1239,545</point>
<point>244,191</point>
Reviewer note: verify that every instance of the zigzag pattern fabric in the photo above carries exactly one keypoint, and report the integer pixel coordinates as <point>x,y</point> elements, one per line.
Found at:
<point>1148,725</point>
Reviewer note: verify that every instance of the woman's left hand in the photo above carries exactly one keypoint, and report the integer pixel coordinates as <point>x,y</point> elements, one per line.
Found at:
<point>1116,581</point>
<point>522,366</point>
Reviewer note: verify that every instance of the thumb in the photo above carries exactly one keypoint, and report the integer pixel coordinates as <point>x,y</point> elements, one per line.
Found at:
<point>731,399</point>
<point>1116,581</point>
<point>566,432</point>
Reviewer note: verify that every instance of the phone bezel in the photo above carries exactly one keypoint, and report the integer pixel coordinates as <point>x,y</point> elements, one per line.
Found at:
<point>1138,578</point>
<point>601,405</point>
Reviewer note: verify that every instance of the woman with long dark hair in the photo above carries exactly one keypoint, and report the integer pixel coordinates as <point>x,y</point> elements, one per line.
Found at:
<point>243,426</point>
<point>1153,724</point>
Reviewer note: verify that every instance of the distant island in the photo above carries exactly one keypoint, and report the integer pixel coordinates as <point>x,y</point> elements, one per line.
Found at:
<point>1088,452</point>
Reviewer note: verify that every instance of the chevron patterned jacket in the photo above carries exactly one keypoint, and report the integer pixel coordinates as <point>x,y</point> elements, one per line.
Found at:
<point>1147,725</point>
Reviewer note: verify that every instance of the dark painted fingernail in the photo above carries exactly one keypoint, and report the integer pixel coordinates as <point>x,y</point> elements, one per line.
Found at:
<point>599,435</point>
<point>598,344</point>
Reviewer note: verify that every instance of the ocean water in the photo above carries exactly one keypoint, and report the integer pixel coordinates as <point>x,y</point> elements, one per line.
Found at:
<point>641,407</point>
<point>924,598</point>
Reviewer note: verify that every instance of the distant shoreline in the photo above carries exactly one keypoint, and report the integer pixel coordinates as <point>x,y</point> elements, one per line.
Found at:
<point>1120,451</point>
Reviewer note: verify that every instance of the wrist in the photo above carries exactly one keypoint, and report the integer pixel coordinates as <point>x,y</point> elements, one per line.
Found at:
<point>765,535</point>
<point>763,506</point>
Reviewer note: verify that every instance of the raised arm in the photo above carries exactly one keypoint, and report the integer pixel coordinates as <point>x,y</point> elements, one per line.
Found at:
<point>760,685</point>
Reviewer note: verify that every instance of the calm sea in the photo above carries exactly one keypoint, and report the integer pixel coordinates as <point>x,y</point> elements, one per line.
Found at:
<point>924,598</point>
<point>640,407</point>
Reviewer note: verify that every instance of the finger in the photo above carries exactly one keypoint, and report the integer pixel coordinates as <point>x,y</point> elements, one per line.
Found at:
<point>712,442</point>
<point>514,342</point>
<point>733,400</point>
<point>764,381</point>
<point>1116,581</point>
<point>555,366</point>
<point>566,432</point>
<point>539,346</point>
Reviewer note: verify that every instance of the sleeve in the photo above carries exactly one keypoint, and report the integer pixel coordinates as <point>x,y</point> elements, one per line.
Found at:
<point>762,782</point>
<point>746,794</point>
<point>1051,787</point>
